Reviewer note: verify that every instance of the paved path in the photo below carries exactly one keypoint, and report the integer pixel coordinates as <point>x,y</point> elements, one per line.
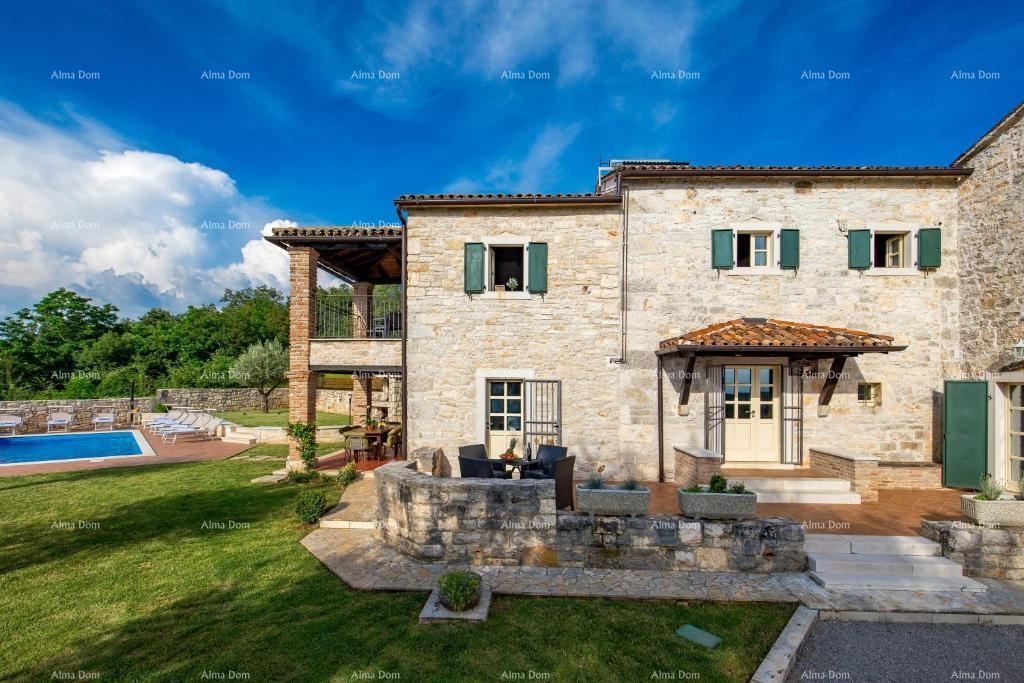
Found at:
<point>363,562</point>
<point>910,653</point>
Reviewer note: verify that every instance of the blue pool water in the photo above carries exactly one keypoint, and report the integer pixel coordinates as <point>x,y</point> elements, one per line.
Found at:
<point>22,449</point>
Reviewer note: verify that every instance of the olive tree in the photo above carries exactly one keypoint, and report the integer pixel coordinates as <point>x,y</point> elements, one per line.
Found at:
<point>264,365</point>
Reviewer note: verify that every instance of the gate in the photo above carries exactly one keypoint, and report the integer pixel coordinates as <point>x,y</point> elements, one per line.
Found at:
<point>793,414</point>
<point>964,433</point>
<point>714,409</point>
<point>542,415</point>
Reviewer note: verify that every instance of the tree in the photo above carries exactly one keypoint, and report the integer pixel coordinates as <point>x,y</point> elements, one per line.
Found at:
<point>263,366</point>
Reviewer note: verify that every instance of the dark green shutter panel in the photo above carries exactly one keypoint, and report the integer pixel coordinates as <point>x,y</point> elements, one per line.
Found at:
<point>473,272</point>
<point>721,249</point>
<point>964,433</point>
<point>538,255</point>
<point>860,249</point>
<point>929,248</point>
<point>789,249</point>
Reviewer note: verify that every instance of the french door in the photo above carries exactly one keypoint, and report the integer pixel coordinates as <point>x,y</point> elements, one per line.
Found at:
<point>752,413</point>
<point>1015,433</point>
<point>504,416</point>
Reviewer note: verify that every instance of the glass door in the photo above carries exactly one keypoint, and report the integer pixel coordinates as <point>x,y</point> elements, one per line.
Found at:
<point>1015,432</point>
<point>504,416</point>
<point>751,413</point>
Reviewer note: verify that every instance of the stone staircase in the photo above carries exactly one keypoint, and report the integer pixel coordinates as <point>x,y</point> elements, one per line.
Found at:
<point>235,434</point>
<point>782,489</point>
<point>912,563</point>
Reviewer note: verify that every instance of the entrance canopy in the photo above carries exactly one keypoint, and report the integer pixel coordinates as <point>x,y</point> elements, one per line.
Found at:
<point>770,337</point>
<point>350,252</point>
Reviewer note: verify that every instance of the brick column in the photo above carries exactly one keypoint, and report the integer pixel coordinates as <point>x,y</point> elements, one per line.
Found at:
<point>302,313</point>
<point>362,398</point>
<point>362,309</point>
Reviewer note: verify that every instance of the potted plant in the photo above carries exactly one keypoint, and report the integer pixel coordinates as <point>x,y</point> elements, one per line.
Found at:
<point>991,507</point>
<point>510,452</point>
<point>595,497</point>
<point>717,500</point>
<point>512,284</point>
<point>459,591</point>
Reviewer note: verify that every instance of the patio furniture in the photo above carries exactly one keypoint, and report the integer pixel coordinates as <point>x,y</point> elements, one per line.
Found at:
<point>103,416</point>
<point>479,452</point>
<point>476,468</point>
<point>166,418</point>
<point>562,473</point>
<point>11,421</point>
<point>393,441</point>
<point>205,425</point>
<point>546,454</point>
<point>59,418</point>
<point>354,445</point>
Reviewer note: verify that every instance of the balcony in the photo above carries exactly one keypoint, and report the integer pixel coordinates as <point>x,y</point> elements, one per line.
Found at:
<point>356,331</point>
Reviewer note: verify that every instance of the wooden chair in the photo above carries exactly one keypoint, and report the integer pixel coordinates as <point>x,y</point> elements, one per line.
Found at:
<point>354,445</point>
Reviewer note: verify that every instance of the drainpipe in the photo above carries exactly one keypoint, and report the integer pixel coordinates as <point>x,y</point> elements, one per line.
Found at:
<point>623,282</point>
<point>405,338</point>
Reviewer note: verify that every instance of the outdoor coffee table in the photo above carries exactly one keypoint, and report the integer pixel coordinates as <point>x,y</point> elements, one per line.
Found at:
<point>514,463</point>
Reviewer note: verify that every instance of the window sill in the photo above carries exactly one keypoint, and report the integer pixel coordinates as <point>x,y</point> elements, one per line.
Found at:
<point>891,271</point>
<point>754,271</point>
<point>505,295</point>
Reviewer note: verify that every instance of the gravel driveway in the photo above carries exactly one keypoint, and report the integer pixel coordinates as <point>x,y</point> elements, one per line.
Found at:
<point>868,651</point>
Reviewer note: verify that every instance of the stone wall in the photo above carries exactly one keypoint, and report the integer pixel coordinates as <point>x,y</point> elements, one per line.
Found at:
<point>230,399</point>
<point>993,553</point>
<point>514,522</point>
<point>695,465</point>
<point>857,468</point>
<point>572,333</point>
<point>898,475</point>
<point>34,413</point>
<point>992,249</point>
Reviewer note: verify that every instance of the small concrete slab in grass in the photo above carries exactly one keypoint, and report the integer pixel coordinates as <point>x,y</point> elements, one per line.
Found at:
<point>436,613</point>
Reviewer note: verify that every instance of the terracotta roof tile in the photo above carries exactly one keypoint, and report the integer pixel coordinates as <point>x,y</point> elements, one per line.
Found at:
<point>528,195</point>
<point>686,166</point>
<point>339,231</point>
<point>765,332</point>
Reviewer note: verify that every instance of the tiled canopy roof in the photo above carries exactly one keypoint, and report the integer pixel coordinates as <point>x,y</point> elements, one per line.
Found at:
<point>497,195</point>
<point>339,231</point>
<point>683,165</point>
<point>768,333</point>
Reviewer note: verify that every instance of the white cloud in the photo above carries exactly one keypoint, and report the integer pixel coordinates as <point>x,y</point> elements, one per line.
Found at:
<point>128,226</point>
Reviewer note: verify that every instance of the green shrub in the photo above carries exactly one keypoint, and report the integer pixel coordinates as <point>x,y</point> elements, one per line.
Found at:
<point>696,488</point>
<point>718,484</point>
<point>459,591</point>
<point>348,474</point>
<point>990,489</point>
<point>737,488</point>
<point>159,408</point>
<point>302,476</point>
<point>310,506</point>
<point>305,434</point>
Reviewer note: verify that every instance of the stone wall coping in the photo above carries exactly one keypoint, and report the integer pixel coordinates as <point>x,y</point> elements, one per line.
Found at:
<point>902,463</point>
<point>408,472</point>
<point>698,452</point>
<point>845,455</point>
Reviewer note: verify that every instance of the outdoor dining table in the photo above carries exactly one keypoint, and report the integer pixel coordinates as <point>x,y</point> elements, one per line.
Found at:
<point>515,463</point>
<point>375,439</point>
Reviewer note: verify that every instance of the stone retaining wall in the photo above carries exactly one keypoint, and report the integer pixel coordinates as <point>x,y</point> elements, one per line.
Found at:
<point>514,522</point>
<point>909,475</point>
<point>34,413</point>
<point>992,553</point>
<point>858,469</point>
<point>231,399</point>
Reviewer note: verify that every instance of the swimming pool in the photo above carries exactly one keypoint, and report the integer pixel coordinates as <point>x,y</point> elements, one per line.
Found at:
<point>20,450</point>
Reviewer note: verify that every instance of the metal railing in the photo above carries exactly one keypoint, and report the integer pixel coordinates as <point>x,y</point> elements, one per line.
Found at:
<point>359,316</point>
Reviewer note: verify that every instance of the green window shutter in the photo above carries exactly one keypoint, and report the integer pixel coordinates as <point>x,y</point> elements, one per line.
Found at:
<point>721,249</point>
<point>860,249</point>
<point>538,255</point>
<point>929,248</point>
<point>473,273</point>
<point>789,248</point>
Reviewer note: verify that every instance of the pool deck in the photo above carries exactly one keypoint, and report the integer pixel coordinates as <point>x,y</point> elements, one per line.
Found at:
<point>186,450</point>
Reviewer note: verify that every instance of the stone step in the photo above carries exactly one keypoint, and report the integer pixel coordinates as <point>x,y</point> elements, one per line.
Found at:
<point>896,583</point>
<point>792,484</point>
<point>891,565</point>
<point>344,524</point>
<point>808,497</point>
<point>233,437</point>
<point>916,546</point>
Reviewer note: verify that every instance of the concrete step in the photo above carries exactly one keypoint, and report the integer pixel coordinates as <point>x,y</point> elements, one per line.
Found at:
<point>808,497</point>
<point>915,546</point>
<point>891,565</point>
<point>344,524</point>
<point>896,583</point>
<point>233,437</point>
<point>792,484</point>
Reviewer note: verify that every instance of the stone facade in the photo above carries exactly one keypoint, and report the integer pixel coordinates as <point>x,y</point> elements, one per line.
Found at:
<point>514,522</point>
<point>302,325</point>
<point>34,413</point>
<point>992,553</point>
<point>229,399</point>
<point>572,333</point>
<point>992,249</point>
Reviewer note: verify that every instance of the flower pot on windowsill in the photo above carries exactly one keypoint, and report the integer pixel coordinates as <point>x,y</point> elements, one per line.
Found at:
<point>612,500</point>
<point>994,513</point>
<point>705,505</point>
<point>499,288</point>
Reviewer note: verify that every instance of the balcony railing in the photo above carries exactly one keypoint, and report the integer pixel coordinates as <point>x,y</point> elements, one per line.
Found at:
<point>359,316</point>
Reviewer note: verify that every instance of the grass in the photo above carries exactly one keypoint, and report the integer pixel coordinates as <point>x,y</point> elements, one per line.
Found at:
<point>278,417</point>
<point>171,572</point>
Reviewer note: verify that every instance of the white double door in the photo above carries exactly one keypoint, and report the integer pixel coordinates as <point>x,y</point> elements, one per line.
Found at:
<point>752,413</point>
<point>504,416</point>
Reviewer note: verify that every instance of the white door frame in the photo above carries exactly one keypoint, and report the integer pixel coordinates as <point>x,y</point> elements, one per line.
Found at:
<point>999,430</point>
<point>781,366</point>
<point>480,398</point>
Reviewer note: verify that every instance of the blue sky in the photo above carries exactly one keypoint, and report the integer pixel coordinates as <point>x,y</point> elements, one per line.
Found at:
<point>149,185</point>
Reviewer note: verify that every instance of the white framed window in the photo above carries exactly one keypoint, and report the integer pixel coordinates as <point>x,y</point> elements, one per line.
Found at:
<point>755,250</point>
<point>893,251</point>
<point>506,265</point>
<point>869,394</point>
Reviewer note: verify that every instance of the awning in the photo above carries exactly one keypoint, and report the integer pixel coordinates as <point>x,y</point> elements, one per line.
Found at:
<point>770,337</point>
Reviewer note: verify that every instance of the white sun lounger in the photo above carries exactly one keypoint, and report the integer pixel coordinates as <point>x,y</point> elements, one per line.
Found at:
<point>12,422</point>
<point>205,426</point>
<point>169,416</point>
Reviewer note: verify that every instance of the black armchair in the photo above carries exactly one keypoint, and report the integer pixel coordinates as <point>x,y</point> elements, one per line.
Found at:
<point>562,473</point>
<point>479,452</point>
<point>546,454</point>
<point>475,468</point>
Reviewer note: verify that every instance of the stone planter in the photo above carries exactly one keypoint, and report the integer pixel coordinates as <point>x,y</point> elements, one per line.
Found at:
<point>705,505</point>
<point>994,513</point>
<point>613,501</point>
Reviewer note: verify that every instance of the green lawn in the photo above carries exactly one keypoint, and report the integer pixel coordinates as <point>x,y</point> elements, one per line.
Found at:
<point>146,586</point>
<point>279,418</point>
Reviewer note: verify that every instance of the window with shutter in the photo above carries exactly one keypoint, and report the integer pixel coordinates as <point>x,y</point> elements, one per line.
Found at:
<point>537,253</point>
<point>929,248</point>
<point>859,247</point>
<point>721,249</point>
<point>789,248</point>
<point>473,267</point>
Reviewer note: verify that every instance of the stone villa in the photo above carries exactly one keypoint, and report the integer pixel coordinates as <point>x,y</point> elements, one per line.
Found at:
<point>863,320</point>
